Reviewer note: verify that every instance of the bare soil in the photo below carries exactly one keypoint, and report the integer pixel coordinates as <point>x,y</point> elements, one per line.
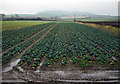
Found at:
<point>73,76</point>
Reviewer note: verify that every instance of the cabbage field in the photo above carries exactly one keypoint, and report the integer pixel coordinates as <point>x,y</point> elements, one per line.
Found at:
<point>70,43</point>
<point>66,45</point>
<point>19,36</point>
<point>59,51</point>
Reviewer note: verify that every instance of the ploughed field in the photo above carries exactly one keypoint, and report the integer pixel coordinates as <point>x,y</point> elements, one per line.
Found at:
<point>61,46</point>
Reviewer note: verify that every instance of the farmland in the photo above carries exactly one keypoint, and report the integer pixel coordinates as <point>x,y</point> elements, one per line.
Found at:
<point>73,46</point>
<point>100,19</point>
<point>13,25</point>
<point>60,46</point>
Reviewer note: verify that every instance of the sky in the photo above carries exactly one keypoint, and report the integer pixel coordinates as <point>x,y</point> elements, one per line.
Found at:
<point>101,7</point>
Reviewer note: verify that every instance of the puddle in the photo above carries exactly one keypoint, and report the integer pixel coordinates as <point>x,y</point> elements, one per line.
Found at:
<point>60,73</point>
<point>20,69</point>
<point>112,71</point>
<point>95,74</point>
<point>39,66</point>
<point>85,81</point>
<point>114,58</point>
<point>11,66</point>
<point>113,77</point>
<point>37,71</point>
<point>18,80</point>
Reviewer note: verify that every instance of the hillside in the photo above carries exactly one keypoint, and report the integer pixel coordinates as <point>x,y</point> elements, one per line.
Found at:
<point>63,14</point>
<point>49,14</point>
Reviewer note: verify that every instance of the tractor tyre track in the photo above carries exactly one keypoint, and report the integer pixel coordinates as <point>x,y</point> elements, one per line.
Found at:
<point>26,39</point>
<point>22,53</point>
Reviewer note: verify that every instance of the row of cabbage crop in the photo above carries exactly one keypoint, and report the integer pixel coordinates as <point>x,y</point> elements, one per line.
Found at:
<point>106,40</point>
<point>18,49</point>
<point>37,53</point>
<point>68,43</point>
<point>92,50</point>
<point>13,37</point>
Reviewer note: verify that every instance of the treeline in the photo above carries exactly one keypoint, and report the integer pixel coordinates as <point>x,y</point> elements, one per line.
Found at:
<point>4,17</point>
<point>12,19</point>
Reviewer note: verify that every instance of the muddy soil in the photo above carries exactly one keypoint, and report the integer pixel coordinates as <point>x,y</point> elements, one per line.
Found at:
<point>18,73</point>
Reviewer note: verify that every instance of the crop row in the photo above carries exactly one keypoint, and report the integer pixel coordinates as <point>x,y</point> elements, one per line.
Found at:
<point>39,51</point>
<point>69,43</point>
<point>13,37</point>
<point>106,40</point>
<point>18,49</point>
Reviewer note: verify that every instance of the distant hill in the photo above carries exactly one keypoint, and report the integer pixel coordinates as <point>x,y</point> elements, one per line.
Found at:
<point>49,14</point>
<point>63,14</point>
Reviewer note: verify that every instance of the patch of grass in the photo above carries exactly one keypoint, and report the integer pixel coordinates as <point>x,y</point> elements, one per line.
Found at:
<point>13,25</point>
<point>103,27</point>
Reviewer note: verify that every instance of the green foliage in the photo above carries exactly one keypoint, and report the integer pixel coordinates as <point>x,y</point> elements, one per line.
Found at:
<point>72,43</point>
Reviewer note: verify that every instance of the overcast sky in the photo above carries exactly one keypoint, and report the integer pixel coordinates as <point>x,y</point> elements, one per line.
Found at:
<point>33,6</point>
